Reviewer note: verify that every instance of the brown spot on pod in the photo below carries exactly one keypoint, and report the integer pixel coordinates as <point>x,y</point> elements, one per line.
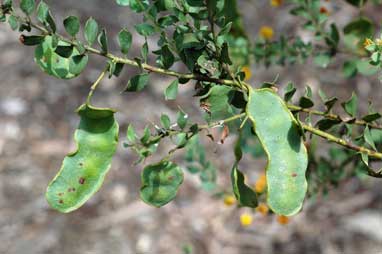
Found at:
<point>22,39</point>
<point>61,201</point>
<point>81,180</point>
<point>294,174</point>
<point>60,194</point>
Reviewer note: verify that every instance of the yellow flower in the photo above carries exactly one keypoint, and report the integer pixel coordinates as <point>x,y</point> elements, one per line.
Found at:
<point>283,220</point>
<point>247,72</point>
<point>229,200</point>
<point>276,3</point>
<point>266,32</point>
<point>261,184</point>
<point>378,42</point>
<point>368,42</point>
<point>246,219</point>
<point>262,208</point>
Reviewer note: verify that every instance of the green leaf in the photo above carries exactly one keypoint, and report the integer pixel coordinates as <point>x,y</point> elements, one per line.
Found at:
<point>368,138</point>
<point>244,194</point>
<point>226,29</point>
<point>322,60</point>
<point>306,102</point>
<point>160,183</point>
<point>145,51</point>
<point>83,171</point>
<point>180,140</point>
<point>102,40</point>
<point>218,100</point>
<point>166,58</point>
<point>361,27</point>
<point>118,69</point>
<point>7,4</point>
<point>146,135</point>
<point>27,6</point>
<point>13,23</point>
<point>349,68</point>
<point>50,23</point>
<point>145,29</point>
<point>32,40</point>
<point>137,83</point>
<point>131,134</point>
<point>91,31</point>
<point>280,137</point>
<point>172,90</point>
<point>165,121</point>
<point>224,56</point>
<point>289,92</point>
<point>124,39</point>
<point>334,36</point>
<point>357,3</point>
<point>371,117</point>
<point>351,106</point>
<point>25,27</point>
<point>182,119</point>
<point>64,51</point>
<point>365,68</point>
<point>326,124</point>
<point>42,11</point>
<point>123,2</point>
<point>72,25</point>
<point>135,5</point>
<point>77,64</point>
<point>56,65</point>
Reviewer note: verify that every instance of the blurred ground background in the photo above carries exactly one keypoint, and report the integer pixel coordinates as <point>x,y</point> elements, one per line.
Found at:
<point>37,122</point>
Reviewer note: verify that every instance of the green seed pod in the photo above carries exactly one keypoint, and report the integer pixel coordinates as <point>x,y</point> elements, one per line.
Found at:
<point>53,64</point>
<point>160,183</point>
<point>280,137</point>
<point>83,171</point>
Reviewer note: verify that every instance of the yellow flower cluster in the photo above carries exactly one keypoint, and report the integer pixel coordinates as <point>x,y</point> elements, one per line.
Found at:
<point>262,208</point>
<point>247,72</point>
<point>266,32</point>
<point>283,220</point>
<point>229,200</point>
<point>276,3</point>
<point>261,183</point>
<point>246,219</point>
<point>369,42</point>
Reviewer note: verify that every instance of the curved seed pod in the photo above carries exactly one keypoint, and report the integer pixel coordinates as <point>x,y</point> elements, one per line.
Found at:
<point>160,183</point>
<point>53,64</point>
<point>280,137</point>
<point>83,171</point>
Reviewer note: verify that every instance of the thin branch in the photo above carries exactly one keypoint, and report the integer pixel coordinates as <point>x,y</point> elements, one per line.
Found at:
<point>331,138</point>
<point>332,116</point>
<point>95,84</point>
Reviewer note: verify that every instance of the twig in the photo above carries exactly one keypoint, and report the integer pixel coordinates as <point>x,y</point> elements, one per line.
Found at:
<point>332,116</point>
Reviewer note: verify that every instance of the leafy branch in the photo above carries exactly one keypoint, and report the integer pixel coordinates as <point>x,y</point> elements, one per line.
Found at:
<point>198,77</point>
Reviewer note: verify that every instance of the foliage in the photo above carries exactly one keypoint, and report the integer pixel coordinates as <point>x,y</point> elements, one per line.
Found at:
<point>209,39</point>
